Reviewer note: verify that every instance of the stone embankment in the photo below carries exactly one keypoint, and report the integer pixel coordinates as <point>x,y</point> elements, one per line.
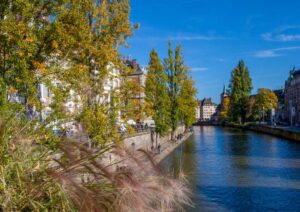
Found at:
<point>282,132</point>
<point>169,147</point>
<point>146,140</point>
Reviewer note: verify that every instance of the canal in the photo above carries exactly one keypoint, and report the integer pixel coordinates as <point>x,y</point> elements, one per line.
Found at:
<point>234,170</point>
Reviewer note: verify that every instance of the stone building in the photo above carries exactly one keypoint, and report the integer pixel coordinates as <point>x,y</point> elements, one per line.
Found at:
<point>198,110</point>
<point>207,109</point>
<point>292,98</point>
<point>280,116</point>
<point>72,104</point>
<point>138,77</point>
<point>223,97</point>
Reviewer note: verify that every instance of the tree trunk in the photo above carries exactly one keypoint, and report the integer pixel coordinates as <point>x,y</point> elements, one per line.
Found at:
<point>173,135</point>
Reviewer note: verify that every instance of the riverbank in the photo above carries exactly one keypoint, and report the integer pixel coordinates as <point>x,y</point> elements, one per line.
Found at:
<point>145,141</point>
<point>169,146</point>
<point>282,132</point>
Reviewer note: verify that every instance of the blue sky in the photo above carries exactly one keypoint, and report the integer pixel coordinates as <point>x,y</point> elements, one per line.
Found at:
<point>216,34</point>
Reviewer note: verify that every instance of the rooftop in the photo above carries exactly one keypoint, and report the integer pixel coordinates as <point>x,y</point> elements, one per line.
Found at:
<point>206,102</point>
<point>134,65</point>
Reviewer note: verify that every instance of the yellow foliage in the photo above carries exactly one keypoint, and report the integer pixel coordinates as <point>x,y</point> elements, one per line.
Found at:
<point>29,40</point>
<point>12,90</point>
<point>54,44</point>
<point>21,53</point>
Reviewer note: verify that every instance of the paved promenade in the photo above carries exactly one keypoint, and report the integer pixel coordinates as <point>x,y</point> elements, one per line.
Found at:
<point>169,146</point>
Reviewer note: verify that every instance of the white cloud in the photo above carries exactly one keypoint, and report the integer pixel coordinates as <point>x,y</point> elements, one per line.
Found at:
<point>178,38</point>
<point>266,54</point>
<point>269,53</point>
<point>193,38</point>
<point>267,36</point>
<point>281,35</point>
<point>199,69</point>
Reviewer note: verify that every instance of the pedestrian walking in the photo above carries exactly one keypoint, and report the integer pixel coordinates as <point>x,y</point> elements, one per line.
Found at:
<point>159,148</point>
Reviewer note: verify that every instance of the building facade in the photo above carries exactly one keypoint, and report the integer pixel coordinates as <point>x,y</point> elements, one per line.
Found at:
<point>72,104</point>
<point>208,109</point>
<point>137,77</point>
<point>280,115</point>
<point>223,97</point>
<point>292,98</point>
<point>198,110</point>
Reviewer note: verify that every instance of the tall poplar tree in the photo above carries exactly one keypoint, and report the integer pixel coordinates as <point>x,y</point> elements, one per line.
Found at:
<point>157,101</point>
<point>187,102</point>
<point>175,71</point>
<point>240,88</point>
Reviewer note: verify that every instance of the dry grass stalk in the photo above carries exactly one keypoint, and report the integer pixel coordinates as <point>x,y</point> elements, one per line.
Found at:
<point>131,183</point>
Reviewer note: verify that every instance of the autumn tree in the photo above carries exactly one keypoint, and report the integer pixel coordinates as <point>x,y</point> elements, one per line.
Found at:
<point>225,108</point>
<point>130,95</point>
<point>240,89</point>
<point>91,33</point>
<point>71,46</point>
<point>27,40</point>
<point>157,101</point>
<point>265,101</point>
<point>187,102</point>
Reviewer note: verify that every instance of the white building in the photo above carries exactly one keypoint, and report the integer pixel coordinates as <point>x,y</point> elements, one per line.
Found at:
<point>112,83</point>
<point>72,104</point>
<point>207,109</point>
<point>198,110</point>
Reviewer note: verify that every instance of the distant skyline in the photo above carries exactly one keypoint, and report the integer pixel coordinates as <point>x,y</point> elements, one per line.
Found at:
<point>216,34</point>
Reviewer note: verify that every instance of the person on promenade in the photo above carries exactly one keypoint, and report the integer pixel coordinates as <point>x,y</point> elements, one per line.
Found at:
<point>133,146</point>
<point>159,148</point>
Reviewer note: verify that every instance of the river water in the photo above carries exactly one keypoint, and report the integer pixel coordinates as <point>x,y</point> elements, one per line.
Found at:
<point>235,170</point>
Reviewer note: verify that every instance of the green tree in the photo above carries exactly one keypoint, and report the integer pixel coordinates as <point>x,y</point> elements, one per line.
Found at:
<point>240,88</point>
<point>175,71</point>
<point>265,101</point>
<point>187,102</point>
<point>224,114</point>
<point>157,101</point>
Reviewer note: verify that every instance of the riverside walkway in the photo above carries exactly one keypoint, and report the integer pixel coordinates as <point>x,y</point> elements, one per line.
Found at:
<point>168,147</point>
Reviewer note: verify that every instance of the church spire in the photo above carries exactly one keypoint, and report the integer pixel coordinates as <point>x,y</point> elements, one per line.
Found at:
<point>224,90</point>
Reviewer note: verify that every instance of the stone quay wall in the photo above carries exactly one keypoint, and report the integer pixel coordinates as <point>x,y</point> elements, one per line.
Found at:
<point>279,132</point>
<point>143,140</point>
<point>275,131</point>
